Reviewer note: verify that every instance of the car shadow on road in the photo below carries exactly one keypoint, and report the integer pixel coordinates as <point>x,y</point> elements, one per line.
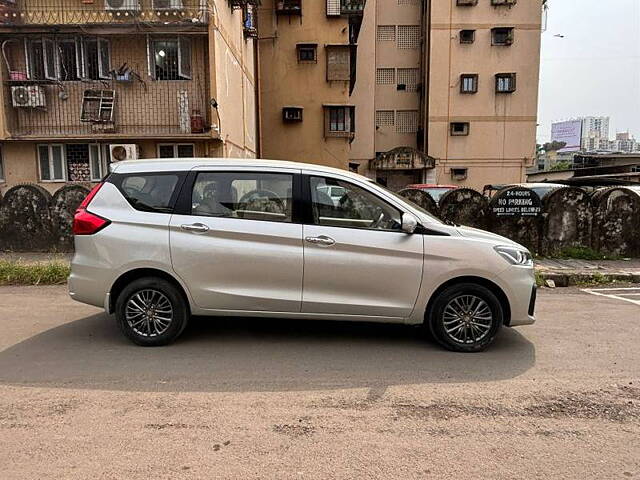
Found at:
<point>249,354</point>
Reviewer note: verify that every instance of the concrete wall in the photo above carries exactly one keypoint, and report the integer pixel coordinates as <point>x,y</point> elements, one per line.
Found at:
<point>285,82</point>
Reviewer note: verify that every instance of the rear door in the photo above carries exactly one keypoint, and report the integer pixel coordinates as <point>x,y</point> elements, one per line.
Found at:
<point>357,260</point>
<point>234,240</point>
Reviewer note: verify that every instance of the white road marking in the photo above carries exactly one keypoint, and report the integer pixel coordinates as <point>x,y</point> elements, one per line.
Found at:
<point>628,291</point>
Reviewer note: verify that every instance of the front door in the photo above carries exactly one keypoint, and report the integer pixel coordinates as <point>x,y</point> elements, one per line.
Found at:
<point>357,260</point>
<point>238,248</point>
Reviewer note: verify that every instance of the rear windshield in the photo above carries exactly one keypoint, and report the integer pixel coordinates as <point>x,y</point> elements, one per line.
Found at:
<point>152,192</point>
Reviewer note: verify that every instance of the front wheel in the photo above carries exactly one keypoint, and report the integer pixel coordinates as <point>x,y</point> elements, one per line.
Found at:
<point>465,317</point>
<point>151,312</point>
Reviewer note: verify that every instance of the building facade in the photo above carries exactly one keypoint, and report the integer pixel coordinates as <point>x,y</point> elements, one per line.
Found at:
<point>438,91</point>
<point>88,82</point>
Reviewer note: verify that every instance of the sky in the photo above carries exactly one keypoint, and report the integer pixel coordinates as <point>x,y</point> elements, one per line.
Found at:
<point>595,68</point>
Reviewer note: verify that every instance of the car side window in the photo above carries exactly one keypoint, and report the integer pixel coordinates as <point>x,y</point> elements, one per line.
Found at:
<point>341,204</point>
<point>250,196</point>
<point>149,192</point>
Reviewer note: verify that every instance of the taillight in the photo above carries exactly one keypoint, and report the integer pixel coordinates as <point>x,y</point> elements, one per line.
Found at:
<point>87,223</point>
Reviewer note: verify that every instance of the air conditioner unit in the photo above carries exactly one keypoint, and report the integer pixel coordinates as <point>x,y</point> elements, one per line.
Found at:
<point>167,5</point>
<point>122,5</point>
<point>28,96</point>
<point>123,151</point>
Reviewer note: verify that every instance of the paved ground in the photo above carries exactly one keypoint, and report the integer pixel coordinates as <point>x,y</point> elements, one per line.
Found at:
<point>264,399</point>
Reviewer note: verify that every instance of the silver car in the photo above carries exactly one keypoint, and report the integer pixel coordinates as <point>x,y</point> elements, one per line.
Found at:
<point>160,240</point>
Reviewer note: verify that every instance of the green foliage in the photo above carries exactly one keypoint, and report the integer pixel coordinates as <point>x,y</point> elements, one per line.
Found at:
<point>554,146</point>
<point>583,253</point>
<point>16,273</point>
<point>562,165</point>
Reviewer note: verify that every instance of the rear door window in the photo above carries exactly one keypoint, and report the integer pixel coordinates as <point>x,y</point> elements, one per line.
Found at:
<point>250,196</point>
<point>149,192</point>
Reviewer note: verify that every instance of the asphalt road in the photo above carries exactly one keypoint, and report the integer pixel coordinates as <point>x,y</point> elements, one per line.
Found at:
<point>242,399</point>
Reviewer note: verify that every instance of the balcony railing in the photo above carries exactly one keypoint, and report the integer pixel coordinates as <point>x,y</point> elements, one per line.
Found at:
<point>77,12</point>
<point>74,109</point>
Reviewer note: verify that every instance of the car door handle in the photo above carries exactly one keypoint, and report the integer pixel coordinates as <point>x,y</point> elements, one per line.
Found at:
<point>195,227</point>
<point>321,240</point>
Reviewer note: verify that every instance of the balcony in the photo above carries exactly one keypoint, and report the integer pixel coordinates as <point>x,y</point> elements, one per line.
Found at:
<point>34,13</point>
<point>129,103</point>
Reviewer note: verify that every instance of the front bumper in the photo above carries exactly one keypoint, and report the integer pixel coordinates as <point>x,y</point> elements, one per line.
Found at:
<point>519,285</point>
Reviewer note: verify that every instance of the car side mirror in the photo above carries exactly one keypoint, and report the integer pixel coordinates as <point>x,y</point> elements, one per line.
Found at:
<point>409,223</point>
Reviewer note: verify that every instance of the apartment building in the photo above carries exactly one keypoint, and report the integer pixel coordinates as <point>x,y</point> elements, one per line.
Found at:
<point>87,82</point>
<point>438,91</point>
<point>307,57</point>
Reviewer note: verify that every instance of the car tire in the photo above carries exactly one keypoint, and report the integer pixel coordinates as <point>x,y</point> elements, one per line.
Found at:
<point>151,312</point>
<point>465,317</point>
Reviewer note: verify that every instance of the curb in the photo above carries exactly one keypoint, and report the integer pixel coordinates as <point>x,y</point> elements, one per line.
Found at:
<point>575,278</point>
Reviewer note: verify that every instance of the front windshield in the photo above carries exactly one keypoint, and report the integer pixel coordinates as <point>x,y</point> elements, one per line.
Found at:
<point>437,193</point>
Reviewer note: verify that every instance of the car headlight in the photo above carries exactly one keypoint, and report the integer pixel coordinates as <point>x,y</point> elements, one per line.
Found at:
<point>515,255</point>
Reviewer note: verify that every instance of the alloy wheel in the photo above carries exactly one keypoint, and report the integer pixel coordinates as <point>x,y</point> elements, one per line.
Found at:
<point>149,313</point>
<point>467,319</point>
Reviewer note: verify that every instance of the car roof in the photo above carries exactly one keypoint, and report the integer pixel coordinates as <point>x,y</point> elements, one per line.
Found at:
<point>186,164</point>
<point>431,185</point>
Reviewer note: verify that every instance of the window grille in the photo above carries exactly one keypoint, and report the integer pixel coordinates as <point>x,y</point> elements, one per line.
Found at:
<point>333,8</point>
<point>385,118</point>
<point>386,76</point>
<point>409,36</point>
<point>406,121</point>
<point>409,78</point>
<point>386,33</point>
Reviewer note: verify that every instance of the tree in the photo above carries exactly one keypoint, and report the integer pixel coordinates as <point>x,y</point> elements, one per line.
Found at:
<point>554,146</point>
<point>561,165</point>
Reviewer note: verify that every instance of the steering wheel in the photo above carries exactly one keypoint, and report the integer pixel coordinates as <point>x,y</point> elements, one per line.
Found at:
<point>266,194</point>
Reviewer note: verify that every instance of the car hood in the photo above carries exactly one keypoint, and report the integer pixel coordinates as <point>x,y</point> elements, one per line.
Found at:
<point>478,234</point>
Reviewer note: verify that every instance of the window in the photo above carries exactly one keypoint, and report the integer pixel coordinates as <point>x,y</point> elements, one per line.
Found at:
<point>385,76</point>
<point>409,36</point>
<point>385,118</point>
<point>503,2</point>
<point>307,52</point>
<point>466,3</point>
<point>97,106</point>
<point>338,121</point>
<point>469,83</point>
<point>502,36</point>
<point>505,82</point>
<point>48,59</point>
<point>97,166</point>
<point>67,60</point>
<point>406,121</point>
<point>333,8</point>
<point>467,36</point>
<point>176,150</point>
<point>338,62</point>
<point>292,114</point>
<point>169,58</point>
<point>149,193</point>
<point>459,129</point>
<point>289,7</point>
<point>408,79</point>
<point>386,33</point>
<point>459,173</point>
<point>51,160</point>
<point>350,206</point>
<point>251,196</point>
<point>41,59</point>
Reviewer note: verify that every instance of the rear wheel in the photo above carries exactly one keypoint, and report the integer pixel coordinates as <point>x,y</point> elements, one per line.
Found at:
<point>151,311</point>
<point>465,317</point>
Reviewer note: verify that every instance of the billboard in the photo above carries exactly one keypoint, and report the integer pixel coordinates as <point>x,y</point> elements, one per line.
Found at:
<point>569,132</point>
